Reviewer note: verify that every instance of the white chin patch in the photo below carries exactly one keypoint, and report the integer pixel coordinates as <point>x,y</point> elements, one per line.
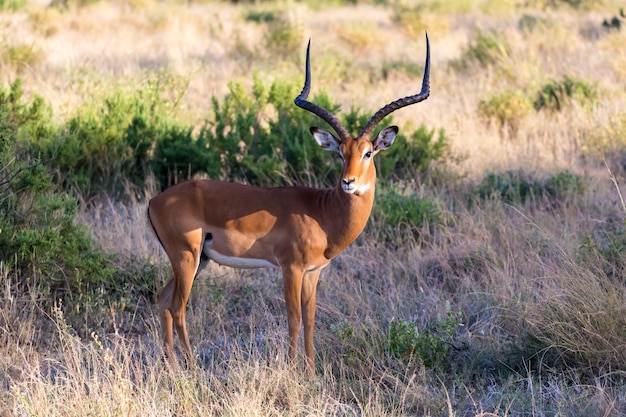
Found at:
<point>352,189</point>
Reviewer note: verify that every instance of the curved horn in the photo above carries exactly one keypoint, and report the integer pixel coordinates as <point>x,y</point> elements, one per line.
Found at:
<point>301,101</point>
<point>402,102</point>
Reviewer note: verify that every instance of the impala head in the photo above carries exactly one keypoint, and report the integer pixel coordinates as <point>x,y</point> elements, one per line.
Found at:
<point>359,174</point>
<point>357,155</point>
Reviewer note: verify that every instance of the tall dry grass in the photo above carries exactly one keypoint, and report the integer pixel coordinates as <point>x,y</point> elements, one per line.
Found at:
<point>539,286</point>
<point>511,273</point>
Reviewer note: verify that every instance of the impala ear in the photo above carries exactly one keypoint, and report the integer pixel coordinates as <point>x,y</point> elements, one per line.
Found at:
<point>325,139</point>
<point>385,138</point>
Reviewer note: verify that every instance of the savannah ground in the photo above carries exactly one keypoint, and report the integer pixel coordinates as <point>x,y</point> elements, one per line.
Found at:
<point>508,300</point>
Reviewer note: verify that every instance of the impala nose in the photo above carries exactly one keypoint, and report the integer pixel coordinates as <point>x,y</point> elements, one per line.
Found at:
<point>348,184</point>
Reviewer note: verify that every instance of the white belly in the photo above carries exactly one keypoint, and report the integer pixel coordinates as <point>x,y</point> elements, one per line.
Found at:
<point>236,262</point>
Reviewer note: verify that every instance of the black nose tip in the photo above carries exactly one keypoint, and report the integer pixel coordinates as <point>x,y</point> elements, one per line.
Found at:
<point>348,181</point>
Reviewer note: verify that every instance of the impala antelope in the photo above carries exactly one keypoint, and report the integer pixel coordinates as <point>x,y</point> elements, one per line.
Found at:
<point>298,230</point>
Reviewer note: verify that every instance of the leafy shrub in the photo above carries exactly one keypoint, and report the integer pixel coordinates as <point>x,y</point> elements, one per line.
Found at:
<point>507,109</point>
<point>421,17</point>
<point>401,66</point>
<point>398,208</point>
<point>237,135</point>
<point>556,94</point>
<point>577,4</point>
<point>40,242</point>
<point>398,217</point>
<point>518,187</point>
<point>23,122</point>
<point>178,156</point>
<point>402,340</point>
<point>12,5</point>
<point>433,345</point>
<point>20,56</point>
<point>282,38</point>
<point>487,50</point>
<point>107,145</point>
<point>528,23</point>
<point>415,155</point>
<point>261,16</point>
<point>359,342</point>
<point>93,154</point>
<point>258,136</point>
<point>265,151</point>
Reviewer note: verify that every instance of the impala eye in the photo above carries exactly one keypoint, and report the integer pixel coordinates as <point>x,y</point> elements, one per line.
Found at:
<point>368,154</point>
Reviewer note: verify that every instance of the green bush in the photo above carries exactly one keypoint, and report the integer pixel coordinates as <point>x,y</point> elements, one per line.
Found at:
<point>359,343</point>
<point>397,216</point>
<point>282,37</point>
<point>268,151</point>
<point>519,187</point>
<point>487,50</point>
<point>507,109</point>
<point>402,342</point>
<point>261,16</point>
<point>12,5</point>
<point>38,231</point>
<point>557,94</point>
<point>414,153</point>
<point>576,4</point>
<point>108,144</point>
<point>256,136</point>
<point>529,23</point>
<point>401,66</point>
<point>271,152</point>
<point>411,19</point>
<point>433,345</point>
<point>178,156</point>
<point>40,242</point>
<point>20,56</point>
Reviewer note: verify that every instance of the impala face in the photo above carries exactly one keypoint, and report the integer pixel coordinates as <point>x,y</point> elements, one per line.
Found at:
<point>358,166</point>
<point>357,155</point>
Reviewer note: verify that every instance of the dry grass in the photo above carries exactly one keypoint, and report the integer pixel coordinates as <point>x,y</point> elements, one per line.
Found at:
<point>508,271</point>
<point>543,314</point>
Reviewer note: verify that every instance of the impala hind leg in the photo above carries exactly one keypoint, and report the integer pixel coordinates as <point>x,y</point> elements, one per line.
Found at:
<point>164,298</point>
<point>174,296</point>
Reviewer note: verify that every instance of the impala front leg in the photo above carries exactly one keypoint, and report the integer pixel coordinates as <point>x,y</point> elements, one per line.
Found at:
<point>292,285</point>
<point>309,289</point>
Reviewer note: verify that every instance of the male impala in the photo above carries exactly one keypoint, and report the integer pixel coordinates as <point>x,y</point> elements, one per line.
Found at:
<point>297,229</point>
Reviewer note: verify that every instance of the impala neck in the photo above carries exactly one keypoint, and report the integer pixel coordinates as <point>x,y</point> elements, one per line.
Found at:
<point>346,216</point>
